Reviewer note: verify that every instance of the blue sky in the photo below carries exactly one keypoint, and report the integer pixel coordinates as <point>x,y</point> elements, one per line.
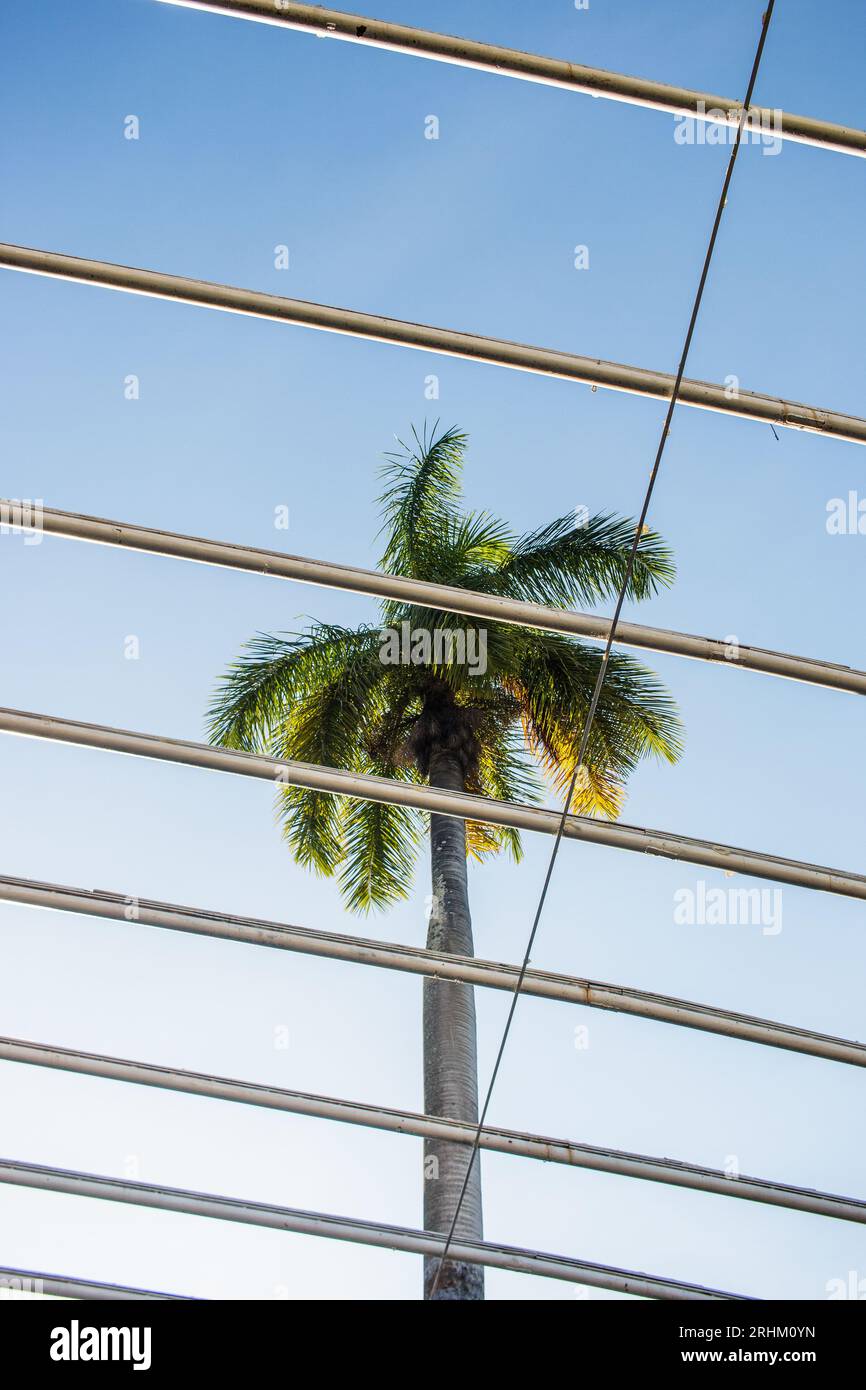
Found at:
<point>251,138</point>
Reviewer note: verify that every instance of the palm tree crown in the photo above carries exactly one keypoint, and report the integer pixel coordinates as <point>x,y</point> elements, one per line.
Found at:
<point>377,698</point>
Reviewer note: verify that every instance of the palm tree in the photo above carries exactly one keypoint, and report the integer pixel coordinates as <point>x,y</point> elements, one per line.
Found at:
<point>395,698</point>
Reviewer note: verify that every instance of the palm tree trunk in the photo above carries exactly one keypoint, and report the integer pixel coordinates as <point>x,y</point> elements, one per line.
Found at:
<point>450,1056</point>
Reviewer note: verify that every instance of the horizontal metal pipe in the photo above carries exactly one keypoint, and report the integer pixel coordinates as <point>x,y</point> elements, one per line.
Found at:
<point>416,960</point>
<point>312,1223</point>
<point>62,1286</point>
<point>461,805</point>
<point>446,597</point>
<point>497,1140</point>
<point>542,361</point>
<point>531,67</point>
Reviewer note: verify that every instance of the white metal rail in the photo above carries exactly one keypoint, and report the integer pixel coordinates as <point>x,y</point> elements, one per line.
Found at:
<point>567,366</point>
<point>494,1139</point>
<point>462,805</point>
<point>532,67</point>
<point>448,598</point>
<point>34,1281</point>
<point>312,1223</point>
<point>416,960</point>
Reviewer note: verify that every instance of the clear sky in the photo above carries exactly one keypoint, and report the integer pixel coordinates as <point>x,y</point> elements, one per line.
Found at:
<point>251,138</point>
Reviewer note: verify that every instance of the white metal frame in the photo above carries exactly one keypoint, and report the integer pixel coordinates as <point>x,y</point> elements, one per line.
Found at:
<point>540,361</point>
<point>313,1223</point>
<point>681,101</point>
<point>532,67</point>
<point>415,960</point>
<point>490,607</point>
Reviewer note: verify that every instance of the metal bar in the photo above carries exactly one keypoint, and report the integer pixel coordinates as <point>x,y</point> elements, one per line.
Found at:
<point>434,964</point>
<point>542,361</point>
<point>445,597</point>
<point>497,1140</point>
<point>531,67</point>
<point>461,805</point>
<point>62,1286</point>
<point>313,1223</point>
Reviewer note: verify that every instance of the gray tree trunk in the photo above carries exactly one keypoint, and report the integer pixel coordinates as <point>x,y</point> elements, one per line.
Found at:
<point>450,1056</point>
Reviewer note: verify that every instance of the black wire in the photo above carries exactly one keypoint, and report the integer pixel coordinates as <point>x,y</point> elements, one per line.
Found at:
<point>602,670</point>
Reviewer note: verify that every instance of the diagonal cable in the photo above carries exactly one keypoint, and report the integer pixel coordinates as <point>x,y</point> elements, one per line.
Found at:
<point>603,666</point>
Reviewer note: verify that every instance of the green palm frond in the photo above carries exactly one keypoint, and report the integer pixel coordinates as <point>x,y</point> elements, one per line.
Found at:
<point>421,498</point>
<point>328,726</point>
<point>505,773</point>
<point>252,698</point>
<point>554,680</point>
<point>380,847</point>
<point>389,730</point>
<point>564,564</point>
<point>308,698</point>
<point>465,543</point>
<point>312,827</point>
